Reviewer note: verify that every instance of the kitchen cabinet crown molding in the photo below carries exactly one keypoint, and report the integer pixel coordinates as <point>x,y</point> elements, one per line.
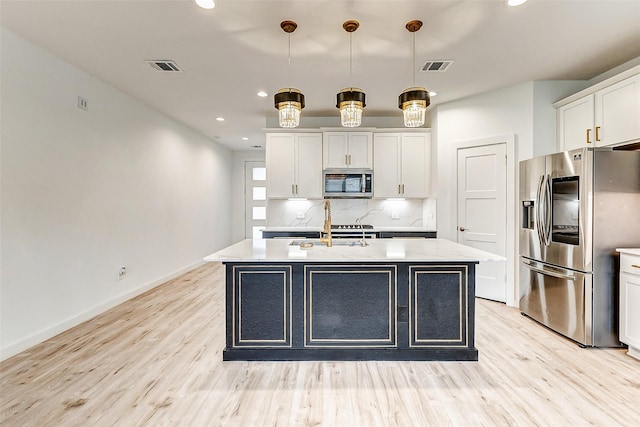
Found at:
<point>596,87</point>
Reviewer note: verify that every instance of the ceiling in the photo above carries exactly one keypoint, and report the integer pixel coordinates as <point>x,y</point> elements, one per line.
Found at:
<point>229,53</point>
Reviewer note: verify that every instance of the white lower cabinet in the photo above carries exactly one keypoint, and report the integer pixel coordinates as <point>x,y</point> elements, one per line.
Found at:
<point>294,165</point>
<point>402,165</point>
<point>630,300</point>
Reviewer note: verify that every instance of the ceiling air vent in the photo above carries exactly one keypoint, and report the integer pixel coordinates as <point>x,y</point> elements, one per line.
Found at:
<point>164,65</point>
<point>436,65</point>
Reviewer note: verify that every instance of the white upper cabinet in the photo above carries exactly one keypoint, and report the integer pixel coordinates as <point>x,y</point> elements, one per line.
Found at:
<point>294,165</point>
<point>617,112</point>
<point>402,165</point>
<point>347,150</point>
<point>387,158</point>
<point>575,124</point>
<point>609,115</point>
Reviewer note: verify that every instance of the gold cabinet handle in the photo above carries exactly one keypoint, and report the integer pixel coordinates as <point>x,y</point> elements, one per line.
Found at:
<point>635,265</point>
<point>403,189</point>
<point>293,189</point>
<point>597,133</point>
<point>588,136</point>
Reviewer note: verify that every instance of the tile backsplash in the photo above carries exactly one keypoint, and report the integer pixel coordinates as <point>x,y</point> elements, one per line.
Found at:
<point>379,213</point>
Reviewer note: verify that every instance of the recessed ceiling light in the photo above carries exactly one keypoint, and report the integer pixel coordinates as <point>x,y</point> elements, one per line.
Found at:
<point>432,93</point>
<point>515,2</point>
<point>244,138</point>
<point>206,4</point>
<point>262,94</point>
<point>220,119</point>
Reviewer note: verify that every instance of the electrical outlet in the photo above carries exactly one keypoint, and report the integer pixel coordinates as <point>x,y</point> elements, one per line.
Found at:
<point>121,272</point>
<point>300,215</point>
<point>83,104</point>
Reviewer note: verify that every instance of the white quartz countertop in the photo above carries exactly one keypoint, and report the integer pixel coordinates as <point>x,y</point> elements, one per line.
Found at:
<point>378,250</point>
<point>630,251</point>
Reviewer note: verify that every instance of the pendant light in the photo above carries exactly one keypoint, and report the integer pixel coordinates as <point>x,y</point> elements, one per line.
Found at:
<point>350,100</point>
<point>414,101</point>
<point>289,101</point>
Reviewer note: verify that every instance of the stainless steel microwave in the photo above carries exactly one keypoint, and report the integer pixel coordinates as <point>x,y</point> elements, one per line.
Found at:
<point>348,183</point>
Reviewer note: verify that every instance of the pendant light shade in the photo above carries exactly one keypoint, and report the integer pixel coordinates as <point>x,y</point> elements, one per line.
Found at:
<point>414,101</point>
<point>289,101</point>
<point>350,100</point>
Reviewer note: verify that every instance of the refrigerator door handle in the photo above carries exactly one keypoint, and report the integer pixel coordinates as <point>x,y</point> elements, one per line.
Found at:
<point>547,210</point>
<point>539,210</point>
<point>544,210</point>
<point>548,272</point>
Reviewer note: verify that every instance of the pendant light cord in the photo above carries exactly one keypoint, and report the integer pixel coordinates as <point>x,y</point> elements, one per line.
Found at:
<point>414,59</point>
<point>350,60</point>
<point>289,63</point>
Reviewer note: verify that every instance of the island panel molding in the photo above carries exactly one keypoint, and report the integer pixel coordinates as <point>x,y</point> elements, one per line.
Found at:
<point>261,310</point>
<point>350,305</point>
<point>435,321</point>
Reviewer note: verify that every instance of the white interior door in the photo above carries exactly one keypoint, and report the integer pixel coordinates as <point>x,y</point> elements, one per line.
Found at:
<point>482,215</point>
<point>255,199</point>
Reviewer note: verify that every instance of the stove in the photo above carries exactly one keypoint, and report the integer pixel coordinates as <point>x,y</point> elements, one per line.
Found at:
<point>350,227</point>
<point>344,231</point>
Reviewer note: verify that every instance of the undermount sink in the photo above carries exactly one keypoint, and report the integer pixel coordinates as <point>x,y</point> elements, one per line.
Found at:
<point>309,243</point>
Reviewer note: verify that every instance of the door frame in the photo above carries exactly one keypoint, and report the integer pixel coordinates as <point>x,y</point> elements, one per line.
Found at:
<point>512,296</point>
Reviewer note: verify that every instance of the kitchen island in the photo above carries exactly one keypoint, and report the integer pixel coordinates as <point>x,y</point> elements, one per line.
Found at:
<point>394,299</point>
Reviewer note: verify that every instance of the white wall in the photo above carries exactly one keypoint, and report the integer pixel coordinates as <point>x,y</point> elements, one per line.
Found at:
<point>505,111</point>
<point>524,111</point>
<point>85,192</point>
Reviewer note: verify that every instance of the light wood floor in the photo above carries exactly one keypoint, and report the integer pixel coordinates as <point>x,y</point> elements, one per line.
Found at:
<point>156,361</point>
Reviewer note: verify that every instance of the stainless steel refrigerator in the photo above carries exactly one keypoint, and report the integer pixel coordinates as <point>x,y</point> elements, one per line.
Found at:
<point>576,208</point>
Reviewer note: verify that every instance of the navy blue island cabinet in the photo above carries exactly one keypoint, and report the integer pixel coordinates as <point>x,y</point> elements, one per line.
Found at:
<point>352,310</point>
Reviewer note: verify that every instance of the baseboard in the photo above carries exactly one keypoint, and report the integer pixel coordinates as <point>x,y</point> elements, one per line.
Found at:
<point>50,332</point>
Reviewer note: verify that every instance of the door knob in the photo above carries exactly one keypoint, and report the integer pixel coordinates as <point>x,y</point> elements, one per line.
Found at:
<point>461,228</point>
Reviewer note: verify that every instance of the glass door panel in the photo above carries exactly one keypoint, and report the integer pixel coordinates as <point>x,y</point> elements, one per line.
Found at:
<point>255,199</point>
<point>565,196</point>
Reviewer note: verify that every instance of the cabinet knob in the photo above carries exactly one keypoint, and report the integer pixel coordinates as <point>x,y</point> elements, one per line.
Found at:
<point>461,228</point>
